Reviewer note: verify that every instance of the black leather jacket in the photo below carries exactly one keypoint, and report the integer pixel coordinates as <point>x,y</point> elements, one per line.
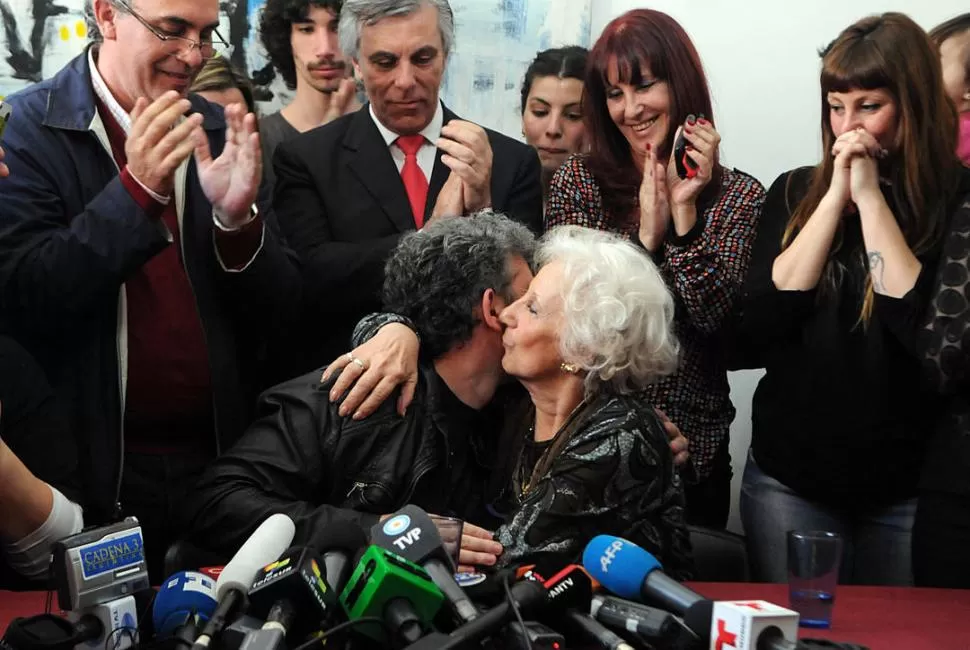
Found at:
<point>301,458</point>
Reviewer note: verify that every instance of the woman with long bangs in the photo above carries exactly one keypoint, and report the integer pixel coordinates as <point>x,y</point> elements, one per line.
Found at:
<point>645,85</point>
<point>840,275</point>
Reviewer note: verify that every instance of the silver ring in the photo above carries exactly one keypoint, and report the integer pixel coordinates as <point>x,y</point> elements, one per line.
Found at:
<point>360,364</point>
<point>350,357</point>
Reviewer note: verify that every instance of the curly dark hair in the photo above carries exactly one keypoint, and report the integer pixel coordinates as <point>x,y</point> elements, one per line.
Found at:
<point>437,275</point>
<point>275,26</point>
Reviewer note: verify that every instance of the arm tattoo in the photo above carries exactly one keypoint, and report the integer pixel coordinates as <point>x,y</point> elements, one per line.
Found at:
<point>877,268</point>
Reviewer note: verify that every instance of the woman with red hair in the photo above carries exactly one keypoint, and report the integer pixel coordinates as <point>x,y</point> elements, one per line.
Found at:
<point>645,86</point>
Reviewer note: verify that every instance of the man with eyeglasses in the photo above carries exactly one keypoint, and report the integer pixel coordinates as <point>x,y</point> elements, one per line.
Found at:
<point>132,263</point>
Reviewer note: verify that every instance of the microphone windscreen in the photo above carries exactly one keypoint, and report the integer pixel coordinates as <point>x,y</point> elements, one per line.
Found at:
<point>183,594</point>
<point>265,545</point>
<point>340,536</point>
<point>618,565</point>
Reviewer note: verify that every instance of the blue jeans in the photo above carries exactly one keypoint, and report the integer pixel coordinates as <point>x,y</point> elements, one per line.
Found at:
<point>876,542</point>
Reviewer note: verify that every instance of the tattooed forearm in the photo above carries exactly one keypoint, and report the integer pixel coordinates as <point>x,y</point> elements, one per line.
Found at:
<point>877,269</point>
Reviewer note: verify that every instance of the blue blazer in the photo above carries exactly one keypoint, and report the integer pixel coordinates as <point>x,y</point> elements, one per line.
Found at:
<point>71,235</point>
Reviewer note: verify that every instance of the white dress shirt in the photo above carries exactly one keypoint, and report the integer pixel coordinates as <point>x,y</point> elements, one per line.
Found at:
<point>426,153</point>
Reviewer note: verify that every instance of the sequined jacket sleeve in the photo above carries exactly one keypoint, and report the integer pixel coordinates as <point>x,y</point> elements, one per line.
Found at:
<point>944,339</point>
<point>615,477</point>
<point>706,266</point>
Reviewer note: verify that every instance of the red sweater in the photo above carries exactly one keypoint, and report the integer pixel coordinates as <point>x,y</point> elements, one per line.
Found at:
<point>168,404</point>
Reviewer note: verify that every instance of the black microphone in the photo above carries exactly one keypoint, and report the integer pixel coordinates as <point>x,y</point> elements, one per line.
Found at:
<point>411,533</point>
<point>530,635</point>
<point>341,543</point>
<point>570,595</point>
<point>647,623</point>
<point>292,597</point>
<point>527,596</point>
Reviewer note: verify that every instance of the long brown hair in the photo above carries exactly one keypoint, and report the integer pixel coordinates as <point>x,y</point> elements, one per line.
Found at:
<point>893,53</point>
<point>638,39</point>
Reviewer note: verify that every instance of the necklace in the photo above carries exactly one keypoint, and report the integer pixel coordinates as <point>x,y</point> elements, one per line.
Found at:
<point>563,434</point>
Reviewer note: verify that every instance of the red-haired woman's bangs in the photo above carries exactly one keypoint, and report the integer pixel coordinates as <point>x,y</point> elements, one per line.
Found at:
<point>624,44</point>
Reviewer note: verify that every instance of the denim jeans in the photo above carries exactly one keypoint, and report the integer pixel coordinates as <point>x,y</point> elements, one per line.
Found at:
<point>876,541</point>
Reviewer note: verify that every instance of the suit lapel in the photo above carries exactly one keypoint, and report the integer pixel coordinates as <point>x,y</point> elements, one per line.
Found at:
<point>439,173</point>
<point>371,162</point>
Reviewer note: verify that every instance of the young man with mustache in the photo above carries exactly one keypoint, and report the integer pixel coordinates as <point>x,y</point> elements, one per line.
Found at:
<point>300,38</point>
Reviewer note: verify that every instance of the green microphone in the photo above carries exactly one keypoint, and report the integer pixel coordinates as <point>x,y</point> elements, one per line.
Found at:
<point>389,587</point>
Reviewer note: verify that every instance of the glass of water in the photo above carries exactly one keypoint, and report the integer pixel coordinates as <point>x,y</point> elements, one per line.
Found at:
<point>814,558</point>
<point>449,528</point>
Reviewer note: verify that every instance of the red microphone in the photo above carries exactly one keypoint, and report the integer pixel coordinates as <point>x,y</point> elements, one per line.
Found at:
<point>570,595</point>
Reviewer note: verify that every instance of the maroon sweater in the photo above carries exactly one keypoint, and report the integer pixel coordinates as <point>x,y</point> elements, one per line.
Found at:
<point>168,404</point>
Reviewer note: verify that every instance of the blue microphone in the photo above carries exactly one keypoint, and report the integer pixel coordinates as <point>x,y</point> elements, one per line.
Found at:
<point>186,599</point>
<point>632,573</point>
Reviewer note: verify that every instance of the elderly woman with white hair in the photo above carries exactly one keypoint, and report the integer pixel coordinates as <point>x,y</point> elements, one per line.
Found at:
<point>587,456</point>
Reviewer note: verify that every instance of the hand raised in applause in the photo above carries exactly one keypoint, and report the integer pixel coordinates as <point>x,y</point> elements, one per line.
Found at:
<point>468,154</point>
<point>160,140</point>
<point>231,181</point>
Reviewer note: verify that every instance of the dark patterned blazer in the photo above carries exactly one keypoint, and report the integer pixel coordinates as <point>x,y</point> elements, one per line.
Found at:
<point>614,475</point>
<point>944,347</point>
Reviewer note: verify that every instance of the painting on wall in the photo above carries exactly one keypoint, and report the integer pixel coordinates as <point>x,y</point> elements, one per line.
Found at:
<point>495,41</point>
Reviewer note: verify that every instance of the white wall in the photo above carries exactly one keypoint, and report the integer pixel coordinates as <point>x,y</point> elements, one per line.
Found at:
<point>761,60</point>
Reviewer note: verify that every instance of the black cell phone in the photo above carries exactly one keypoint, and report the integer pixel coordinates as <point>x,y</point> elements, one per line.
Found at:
<point>686,167</point>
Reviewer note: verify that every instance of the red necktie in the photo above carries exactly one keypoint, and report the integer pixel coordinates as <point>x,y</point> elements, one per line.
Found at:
<point>415,182</point>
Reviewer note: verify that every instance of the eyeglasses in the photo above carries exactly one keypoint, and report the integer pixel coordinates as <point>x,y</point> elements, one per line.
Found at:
<point>207,48</point>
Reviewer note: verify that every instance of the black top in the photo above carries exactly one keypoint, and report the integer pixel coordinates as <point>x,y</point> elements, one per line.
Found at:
<point>840,416</point>
<point>273,130</point>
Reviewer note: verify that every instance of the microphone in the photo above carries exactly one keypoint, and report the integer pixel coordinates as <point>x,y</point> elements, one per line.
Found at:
<point>389,587</point>
<point>570,595</point>
<point>648,623</point>
<point>527,596</point>
<point>411,533</point>
<point>753,625</point>
<point>531,636</point>
<point>288,592</point>
<point>265,545</point>
<point>342,542</point>
<point>185,600</point>
<point>632,573</point>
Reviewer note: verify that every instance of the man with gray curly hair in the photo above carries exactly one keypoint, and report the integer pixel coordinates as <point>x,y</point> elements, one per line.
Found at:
<point>452,279</point>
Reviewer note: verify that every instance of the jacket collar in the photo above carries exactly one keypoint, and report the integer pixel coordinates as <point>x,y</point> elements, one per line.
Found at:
<point>372,163</point>
<point>72,106</point>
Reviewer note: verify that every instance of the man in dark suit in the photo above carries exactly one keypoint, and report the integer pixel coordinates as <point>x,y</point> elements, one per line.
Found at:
<point>347,191</point>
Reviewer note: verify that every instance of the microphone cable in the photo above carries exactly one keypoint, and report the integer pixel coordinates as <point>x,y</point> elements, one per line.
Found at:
<point>825,644</point>
<point>346,625</point>
<point>514,608</point>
